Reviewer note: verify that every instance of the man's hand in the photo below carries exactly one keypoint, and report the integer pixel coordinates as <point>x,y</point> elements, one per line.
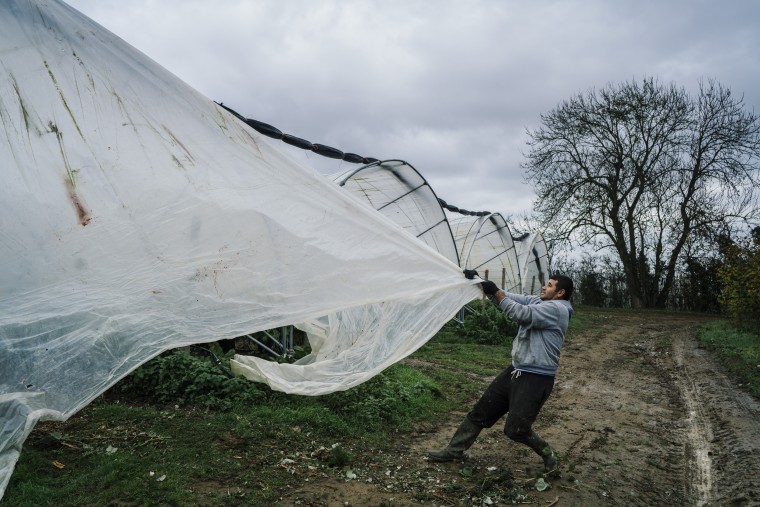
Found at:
<point>470,274</point>
<point>489,288</point>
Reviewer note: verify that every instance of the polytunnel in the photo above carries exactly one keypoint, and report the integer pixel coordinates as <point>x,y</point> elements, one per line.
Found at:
<point>139,216</point>
<point>534,262</point>
<point>485,244</point>
<point>400,193</point>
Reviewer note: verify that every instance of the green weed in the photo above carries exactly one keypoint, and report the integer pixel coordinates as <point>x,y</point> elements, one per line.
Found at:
<point>178,377</point>
<point>483,324</point>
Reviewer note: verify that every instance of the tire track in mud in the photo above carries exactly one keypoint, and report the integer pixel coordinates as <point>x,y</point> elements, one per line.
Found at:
<point>623,417</point>
<point>699,430</point>
<point>727,430</point>
<point>680,432</point>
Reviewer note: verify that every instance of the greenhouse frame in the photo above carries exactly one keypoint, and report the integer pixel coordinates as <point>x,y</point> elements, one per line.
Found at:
<point>473,240</point>
<point>400,193</point>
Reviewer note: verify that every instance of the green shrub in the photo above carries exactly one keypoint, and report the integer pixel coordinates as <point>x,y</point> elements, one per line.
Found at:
<point>488,325</point>
<point>393,398</point>
<point>739,274</point>
<point>178,377</point>
<point>484,324</point>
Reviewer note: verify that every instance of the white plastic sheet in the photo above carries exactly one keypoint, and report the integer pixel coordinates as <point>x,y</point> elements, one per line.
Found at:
<point>138,216</point>
<point>399,192</point>
<point>486,245</point>
<point>534,262</point>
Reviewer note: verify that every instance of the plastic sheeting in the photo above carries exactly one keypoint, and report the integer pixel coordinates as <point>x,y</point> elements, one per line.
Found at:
<point>485,244</point>
<point>534,262</point>
<point>139,216</point>
<point>398,191</point>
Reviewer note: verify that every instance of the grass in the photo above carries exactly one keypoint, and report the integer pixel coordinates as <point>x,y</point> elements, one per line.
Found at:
<point>485,360</point>
<point>738,350</point>
<point>582,319</point>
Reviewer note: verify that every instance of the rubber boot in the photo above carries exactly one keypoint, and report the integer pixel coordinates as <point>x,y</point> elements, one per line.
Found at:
<point>461,441</point>
<point>539,445</point>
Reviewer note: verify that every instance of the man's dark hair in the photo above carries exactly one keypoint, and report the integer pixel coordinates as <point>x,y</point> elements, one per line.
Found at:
<point>563,283</point>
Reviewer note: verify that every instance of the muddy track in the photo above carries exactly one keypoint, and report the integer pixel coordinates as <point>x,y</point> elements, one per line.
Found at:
<point>658,420</point>
<point>640,415</point>
<point>723,429</point>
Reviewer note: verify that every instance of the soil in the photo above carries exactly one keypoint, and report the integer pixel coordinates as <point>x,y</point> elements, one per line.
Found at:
<point>640,416</point>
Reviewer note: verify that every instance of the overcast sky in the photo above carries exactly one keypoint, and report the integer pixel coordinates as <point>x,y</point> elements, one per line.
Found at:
<point>449,86</point>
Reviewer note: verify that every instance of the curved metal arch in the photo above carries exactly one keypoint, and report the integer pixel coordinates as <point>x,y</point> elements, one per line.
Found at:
<point>485,244</point>
<point>534,262</point>
<point>397,190</point>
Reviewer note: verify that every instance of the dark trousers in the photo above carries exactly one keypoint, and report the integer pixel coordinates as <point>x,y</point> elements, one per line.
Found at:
<point>520,397</point>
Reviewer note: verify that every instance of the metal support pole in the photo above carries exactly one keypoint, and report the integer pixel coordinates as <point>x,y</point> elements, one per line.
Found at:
<point>287,340</point>
<point>257,342</point>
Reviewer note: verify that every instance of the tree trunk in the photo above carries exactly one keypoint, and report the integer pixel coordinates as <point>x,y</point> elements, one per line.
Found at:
<point>632,279</point>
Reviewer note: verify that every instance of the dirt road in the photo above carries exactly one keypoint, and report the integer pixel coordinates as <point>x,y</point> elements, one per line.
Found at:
<point>640,415</point>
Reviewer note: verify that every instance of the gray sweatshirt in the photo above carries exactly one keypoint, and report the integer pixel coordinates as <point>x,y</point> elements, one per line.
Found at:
<point>543,325</point>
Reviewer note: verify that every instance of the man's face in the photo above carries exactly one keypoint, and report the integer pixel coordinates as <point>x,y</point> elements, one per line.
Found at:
<point>549,291</point>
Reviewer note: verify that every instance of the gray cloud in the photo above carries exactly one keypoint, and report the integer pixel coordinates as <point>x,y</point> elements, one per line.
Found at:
<point>450,86</point>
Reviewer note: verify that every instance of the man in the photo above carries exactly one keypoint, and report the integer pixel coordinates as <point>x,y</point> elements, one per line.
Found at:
<point>521,390</point>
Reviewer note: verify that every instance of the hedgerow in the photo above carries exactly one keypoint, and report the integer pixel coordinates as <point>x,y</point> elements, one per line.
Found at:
<point>739,275</point>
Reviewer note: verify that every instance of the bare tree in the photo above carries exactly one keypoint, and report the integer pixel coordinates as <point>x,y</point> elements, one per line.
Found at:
<point>644,169</point>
